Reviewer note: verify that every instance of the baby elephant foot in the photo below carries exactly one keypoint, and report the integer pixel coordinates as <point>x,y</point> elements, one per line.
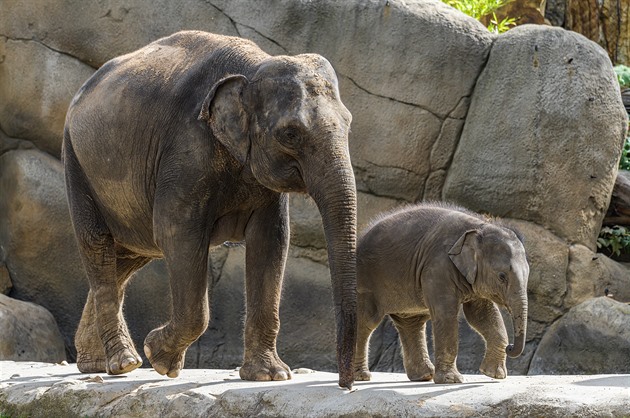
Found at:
<point>494,369</point>
<point>449,376</point>
<point>362,375</point>
<point>123,361</point>
<point>264,368</point>
<point>165,360</point>
<point>422,373</point>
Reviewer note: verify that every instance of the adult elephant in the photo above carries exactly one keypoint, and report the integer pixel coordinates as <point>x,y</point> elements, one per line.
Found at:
<point>189,142</point>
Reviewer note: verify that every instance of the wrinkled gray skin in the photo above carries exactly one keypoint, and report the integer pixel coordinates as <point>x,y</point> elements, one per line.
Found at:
<point>189,142</point>
<point>423,262</point>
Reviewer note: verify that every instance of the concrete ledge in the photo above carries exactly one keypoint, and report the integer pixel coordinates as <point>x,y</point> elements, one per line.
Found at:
<point>47,390</point>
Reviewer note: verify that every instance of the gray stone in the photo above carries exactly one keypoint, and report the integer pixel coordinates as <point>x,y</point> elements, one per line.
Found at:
<point>590,274</point>
<point>36,86</point>
<point>29,333</point>
<point>543,134</point>
<point>36,389</point>
<point>593,337</point>
<point>95,32</point>
<point>40,250</point>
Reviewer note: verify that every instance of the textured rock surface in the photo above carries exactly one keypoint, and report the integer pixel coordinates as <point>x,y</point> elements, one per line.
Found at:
<point>593,337</point>
<point>29,333</point>
<point>537,163</point>
<point>34,101</point>
<point>37,237</point>
<point>36,389</point>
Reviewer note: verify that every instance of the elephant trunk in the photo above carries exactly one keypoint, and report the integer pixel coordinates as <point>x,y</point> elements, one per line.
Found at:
<point>518,311</point>
<point>333,189</point>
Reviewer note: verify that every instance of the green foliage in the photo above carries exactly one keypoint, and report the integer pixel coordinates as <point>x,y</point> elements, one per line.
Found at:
<point>480,8</point>
<point>623,76</point>
<point>615,239</point>
<point>624,163</point>
<point>502,26</point>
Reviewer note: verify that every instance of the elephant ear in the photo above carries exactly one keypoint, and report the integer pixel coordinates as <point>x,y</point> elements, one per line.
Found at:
<point>464,255</point>
<point>224,112</point>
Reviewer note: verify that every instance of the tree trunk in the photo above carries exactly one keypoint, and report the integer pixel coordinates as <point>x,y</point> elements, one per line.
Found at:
<point>606,22</point>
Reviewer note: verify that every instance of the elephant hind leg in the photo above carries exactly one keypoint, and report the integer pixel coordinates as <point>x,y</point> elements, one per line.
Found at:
<point>103,311</point>
<point>412,332</point>
<point>368,318</point>
<point>90,351</point>
<point>91,356</point>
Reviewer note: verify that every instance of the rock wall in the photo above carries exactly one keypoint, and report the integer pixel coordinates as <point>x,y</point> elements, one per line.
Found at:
<point>527,125</point>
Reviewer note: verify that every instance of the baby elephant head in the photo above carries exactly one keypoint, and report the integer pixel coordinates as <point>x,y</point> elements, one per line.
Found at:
<point>492,259</point>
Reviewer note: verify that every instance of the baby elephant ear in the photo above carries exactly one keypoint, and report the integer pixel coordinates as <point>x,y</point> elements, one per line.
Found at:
<point>464,255</point>
<point>224,112</point>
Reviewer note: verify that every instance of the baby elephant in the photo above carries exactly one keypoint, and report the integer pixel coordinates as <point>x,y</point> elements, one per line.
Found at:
<point>422,262</point>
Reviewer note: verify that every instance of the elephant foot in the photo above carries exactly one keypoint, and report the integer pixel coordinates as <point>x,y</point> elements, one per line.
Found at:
<point>165,361</point>
<point>264,367</point>
<point>449,376</point>
<point>494,369</point>
<point>421,374</point>
<point>123,361</point>
<point>362,375</point>
<point>86,363</point>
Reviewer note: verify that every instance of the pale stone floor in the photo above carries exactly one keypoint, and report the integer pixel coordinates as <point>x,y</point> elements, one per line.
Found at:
<point>47,390</point>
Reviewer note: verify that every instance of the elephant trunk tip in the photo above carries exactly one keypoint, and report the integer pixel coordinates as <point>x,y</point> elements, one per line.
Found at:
<point>512,352</point>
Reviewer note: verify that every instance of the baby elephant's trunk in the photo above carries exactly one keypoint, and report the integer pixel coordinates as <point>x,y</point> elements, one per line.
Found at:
<point>515,350</point>
<point>518,310</point>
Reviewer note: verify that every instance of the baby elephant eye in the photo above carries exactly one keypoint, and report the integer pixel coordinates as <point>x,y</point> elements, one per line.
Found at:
<point>503,277</point>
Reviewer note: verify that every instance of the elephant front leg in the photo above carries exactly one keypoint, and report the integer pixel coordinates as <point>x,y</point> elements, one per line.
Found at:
<point>267,238</point>
<point>185,244</point>
<point>485,318</point>
<point>445,340</point>
<point>166,346</point>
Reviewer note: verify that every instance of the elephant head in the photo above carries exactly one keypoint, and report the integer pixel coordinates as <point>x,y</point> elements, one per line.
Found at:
<point>492,259</point>
<point>287,124</point>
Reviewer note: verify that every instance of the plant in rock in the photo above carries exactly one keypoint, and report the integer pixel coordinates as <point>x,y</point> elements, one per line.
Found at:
<point>623,76</point>
<point>480,8</point>
<point>615,239</point>
<point>624,163</point>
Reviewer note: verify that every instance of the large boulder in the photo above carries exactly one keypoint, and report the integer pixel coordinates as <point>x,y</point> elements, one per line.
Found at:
<point>543,97</point>
<point>593,337</point>
<point>34,102</point>
<point>29,333</point>
<point>37,237</point>
<point>94,32</point>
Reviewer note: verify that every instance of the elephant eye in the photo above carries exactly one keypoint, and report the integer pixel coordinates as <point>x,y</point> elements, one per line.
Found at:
<point>503,277</point>
<point>289,136</point>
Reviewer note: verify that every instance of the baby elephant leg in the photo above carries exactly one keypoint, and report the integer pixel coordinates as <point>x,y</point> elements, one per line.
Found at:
<point>446,340</point>
<point>368,319</point>
<point>484,316</point>
<point>412,331</point>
